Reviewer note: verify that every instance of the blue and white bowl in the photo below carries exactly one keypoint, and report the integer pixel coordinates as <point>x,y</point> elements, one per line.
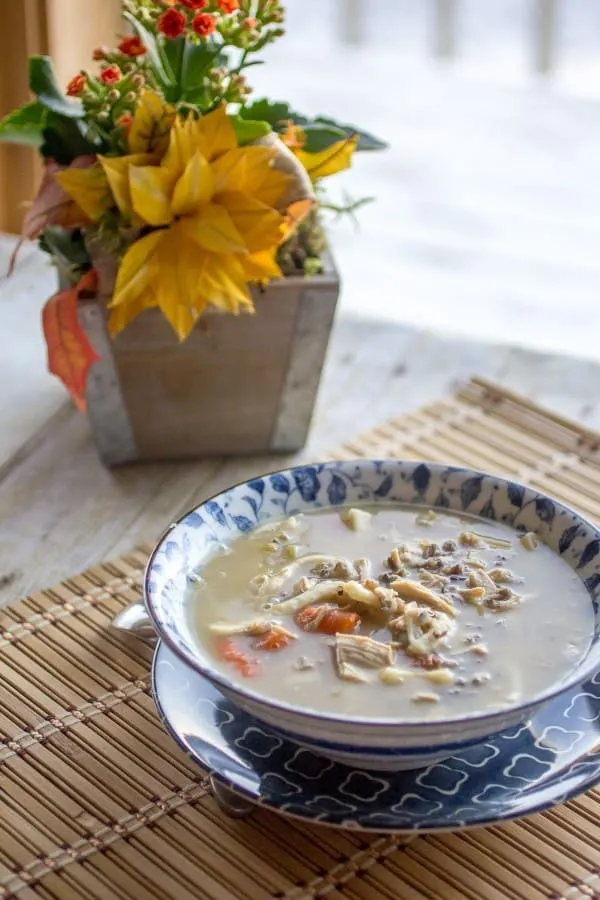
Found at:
<point>371,743</point>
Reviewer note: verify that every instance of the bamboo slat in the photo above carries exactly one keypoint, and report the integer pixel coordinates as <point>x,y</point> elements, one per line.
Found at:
<point>97,801</point>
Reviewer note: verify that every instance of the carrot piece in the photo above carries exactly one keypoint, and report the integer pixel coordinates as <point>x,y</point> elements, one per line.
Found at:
<point>334,621</point>
<point>273,640</point>
<point>306,617</point>
<point>229,651</point>
<point>339,621</point>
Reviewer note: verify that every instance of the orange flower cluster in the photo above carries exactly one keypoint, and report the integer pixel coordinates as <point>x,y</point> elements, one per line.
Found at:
<point>173,22</point>
<point>76,85</point>
<point>204,24</point>
<point>131,46</point>
<point>110,75</point>
<point>110,95</point>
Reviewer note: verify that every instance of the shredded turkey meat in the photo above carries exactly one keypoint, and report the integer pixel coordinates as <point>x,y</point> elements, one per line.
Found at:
<point>413,590</point>
<point>354,652</point>
<point>327,590</point>
<point>425,629</point>
<point>228,629</point>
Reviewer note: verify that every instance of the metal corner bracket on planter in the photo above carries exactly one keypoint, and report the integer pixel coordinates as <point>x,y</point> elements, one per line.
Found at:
<point>237,385</point>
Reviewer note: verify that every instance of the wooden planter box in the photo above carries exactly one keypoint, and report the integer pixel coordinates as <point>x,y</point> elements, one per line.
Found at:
<point>237,385</point>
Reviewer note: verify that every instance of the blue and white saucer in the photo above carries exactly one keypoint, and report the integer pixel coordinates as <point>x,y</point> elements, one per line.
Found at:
<point>522,771</point>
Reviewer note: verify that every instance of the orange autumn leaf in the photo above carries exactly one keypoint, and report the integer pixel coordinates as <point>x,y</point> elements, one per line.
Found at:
<point>70,353</point>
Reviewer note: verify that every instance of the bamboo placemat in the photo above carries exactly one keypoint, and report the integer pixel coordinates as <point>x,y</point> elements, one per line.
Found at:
<point>98,803</point>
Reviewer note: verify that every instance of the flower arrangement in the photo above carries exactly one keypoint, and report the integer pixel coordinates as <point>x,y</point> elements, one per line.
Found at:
<point>160,159</point>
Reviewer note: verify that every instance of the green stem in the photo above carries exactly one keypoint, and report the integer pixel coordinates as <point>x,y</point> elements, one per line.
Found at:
<point>183,68</point>
<point>241,64</point>
<point>217,52</point>
<point>223,97</point>
<point>243,60</point>
<point>165,60</point>
<point>348,208</point>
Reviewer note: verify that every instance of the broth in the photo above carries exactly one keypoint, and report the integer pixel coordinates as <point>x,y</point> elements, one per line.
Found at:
<point>391,612</point>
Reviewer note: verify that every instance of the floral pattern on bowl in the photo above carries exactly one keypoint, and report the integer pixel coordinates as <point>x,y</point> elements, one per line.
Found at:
<point>521,771</point>
<point>370,743</point>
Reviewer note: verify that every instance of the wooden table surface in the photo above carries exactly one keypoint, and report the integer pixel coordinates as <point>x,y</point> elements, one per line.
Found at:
<point>63,511</point>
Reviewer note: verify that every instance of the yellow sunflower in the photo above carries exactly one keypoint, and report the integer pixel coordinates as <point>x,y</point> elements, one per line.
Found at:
<point>210,212</point>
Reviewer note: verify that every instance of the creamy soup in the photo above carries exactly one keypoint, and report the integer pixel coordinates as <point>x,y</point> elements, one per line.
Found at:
<point>392,612</point>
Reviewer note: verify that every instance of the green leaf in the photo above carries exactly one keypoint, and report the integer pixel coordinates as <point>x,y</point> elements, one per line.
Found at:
<point>197,98</point>
<point>65,139</point>
<point>154,55</point>
<point>42,82</point>
<point>173,51</point>
<point>366,141</point>
<point>67,247</point>
<point>323,129</point>
<point>247,130</point>
<point>277,114</point>
<point>189,61</point>
<point>320,137</point>
<point>24,125</point>
<point>198,59</point>
<point>171,92</point>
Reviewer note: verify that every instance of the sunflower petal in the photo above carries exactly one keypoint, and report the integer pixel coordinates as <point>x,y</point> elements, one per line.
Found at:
<point>250,169</point>
<point>133,277</point>
<point>329,161</point>
<point>272,187</point>
<point>230,170</point>
<point>195,187</point>
<point>116,169</point>
<point>183,143</point>
<point>261,266</point>
<point>149,132</point>
<point>88,188</point>
<point>181,318</point>
<point>122,315</point>
<point>151,188</point>
<point>226,286</point>
<point>216,134</point>
<point>213,229</point>
<point>186,264</point>
<point>259,225</point>
<point>264,181</point>
<point>177,273</point>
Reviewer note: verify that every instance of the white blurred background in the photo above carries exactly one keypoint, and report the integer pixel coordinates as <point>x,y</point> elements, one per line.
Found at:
<point>487,214</point>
